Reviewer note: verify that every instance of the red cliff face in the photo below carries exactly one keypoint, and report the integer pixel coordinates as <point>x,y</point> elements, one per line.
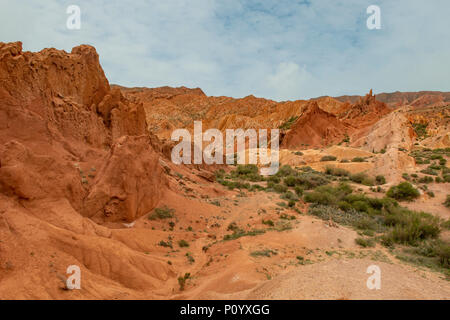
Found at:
<point>314,128</point>
<point>58,114</point>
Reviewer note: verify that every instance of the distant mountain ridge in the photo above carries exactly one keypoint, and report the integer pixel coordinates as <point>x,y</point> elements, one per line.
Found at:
<point>398,98</point>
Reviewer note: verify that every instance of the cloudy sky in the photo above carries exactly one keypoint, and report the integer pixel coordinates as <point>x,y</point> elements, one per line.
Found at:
<point>278,49</point>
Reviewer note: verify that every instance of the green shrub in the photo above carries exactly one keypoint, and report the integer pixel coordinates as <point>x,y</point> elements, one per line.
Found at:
<point>288,195</point>
<point>327,195</point>
<point>429,171</point>
<point>358,177</point>
<point>447,201</point>
<point>426,179</point>
<point>380,179</point>
<point>420,129</point>
<point>263,253</point>
<point>310,180</point>
<point>238,233</point>
<point>320,198</point>
<point>360,206</point>
<point>273,179</point>
<point>336,171</point>
<point>298,190</point>
<point>328,158</point>
<point>279,188</point>
<point>286,170</point>
<point>246,169</point>
<point>183,244</point>
<point>344,205</point>
<point>410,227</point>
<point>290,181</point>
<point>403,191</point>
<point>358,159</point>
<point>362,178</point>
<point>161,213</point>
<point>365,243</point>
<point>443,253</point>
<point>182,280</point>
<point>167,244</point>
<point>268,222</point>
<point>287,125</point>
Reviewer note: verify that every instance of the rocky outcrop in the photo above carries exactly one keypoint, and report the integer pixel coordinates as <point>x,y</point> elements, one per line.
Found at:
<point>129,184</point>
<point>314,128</point>
<point>57,110</point>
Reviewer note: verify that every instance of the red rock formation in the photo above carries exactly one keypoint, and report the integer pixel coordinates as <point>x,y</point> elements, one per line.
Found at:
<point>57,110</point>
<point>314,128</point>
<point>129,184</point>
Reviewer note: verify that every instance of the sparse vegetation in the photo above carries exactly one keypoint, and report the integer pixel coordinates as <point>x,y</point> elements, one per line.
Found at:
<point>183,244</point>
<point>182,280</point>
<point>365,242</point>
<point>447,201</point>
<point>288,124</point>
<point>328,158</point>
<point>334,171</point>
<point>403,192</point>
<point>162,213</point>
<point>263,253</point>
<point>380,179</point>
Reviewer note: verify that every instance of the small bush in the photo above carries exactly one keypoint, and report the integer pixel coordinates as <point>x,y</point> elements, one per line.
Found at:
<point>182,280</point>
<point>290,181</point>
<point>310,180</point>
<point>380,179</point>
<point>286,170</point>
<point>410,227</point>
<point>328,158</point>
<point>167,244</point>
<point>298,190</point>
<point>426,179</point>
<point>447,201</point>
<point>273,179</point>
<point>183,244</point>
<point>279,188</point>
<point>365,243</point>
<point>429,171</point>
<point>264,253</point>
<point>403,191</point>
<point>287,125</point>
<point>358,159</point>
<point>268,222</point>
<point>288,195</point>
<point>162,213</point>
<point>336,171</point>
<point>362,178</point>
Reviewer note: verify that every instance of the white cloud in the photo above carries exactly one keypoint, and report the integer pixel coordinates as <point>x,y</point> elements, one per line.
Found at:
<point>288,81</point>
<point>278,49</point>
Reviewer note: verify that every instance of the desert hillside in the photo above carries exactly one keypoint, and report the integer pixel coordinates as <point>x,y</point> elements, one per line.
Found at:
<point>86,179</point>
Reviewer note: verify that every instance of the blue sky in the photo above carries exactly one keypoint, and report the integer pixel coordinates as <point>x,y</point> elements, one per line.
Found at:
<point>277,49</point>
